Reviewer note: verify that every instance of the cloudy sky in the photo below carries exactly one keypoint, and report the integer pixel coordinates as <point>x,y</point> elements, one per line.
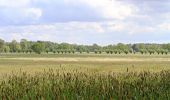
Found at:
<point>86,21</point>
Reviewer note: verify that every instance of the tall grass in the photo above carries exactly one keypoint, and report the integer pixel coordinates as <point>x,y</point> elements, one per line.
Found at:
<point>57,85</point>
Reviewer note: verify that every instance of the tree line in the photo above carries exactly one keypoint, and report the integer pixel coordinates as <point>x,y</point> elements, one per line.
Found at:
<point>25,46</point>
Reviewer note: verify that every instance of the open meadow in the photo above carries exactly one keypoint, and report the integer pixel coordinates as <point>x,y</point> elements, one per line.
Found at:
<point>84,76</point>
<point>93,63</point>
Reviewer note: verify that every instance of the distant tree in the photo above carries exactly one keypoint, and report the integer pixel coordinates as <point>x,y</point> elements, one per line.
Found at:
<point>96,47</point>
<point>166,47</point>
<point>24,45</point>
<point>13,46</point>
<point>18,48</point>
<point>65,51</point>
<point>158,51</point>
<point>96,51</point>
<point>30,50</point>
<point>1,45</point>
<point>58,51</point>
<point>69,51</point>
<point>119,51</point>
<point>73,51</point>
<point>6,49</point>
<point>107,51</point>
<point>115,51</point>
<point>151,51</point>
<point>122,47</point>
<point>47,50</point>
<point>100,52</point>
<point>54,51</point>
<point>131,50</point>
<point>166,51</point>
<point>126,51</point>
<point>138,47</point>
<point>37,48</point>
<point>62,51</point>
<point>111,51</point>
<point>143,51</point>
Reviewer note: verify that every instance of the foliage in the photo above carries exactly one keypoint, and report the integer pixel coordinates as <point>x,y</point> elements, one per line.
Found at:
<point>37,47</point>
<point>26,46</point>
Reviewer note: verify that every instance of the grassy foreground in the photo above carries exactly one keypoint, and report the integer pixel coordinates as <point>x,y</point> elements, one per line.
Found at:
<point>75,85</point>
<point>84,77</point>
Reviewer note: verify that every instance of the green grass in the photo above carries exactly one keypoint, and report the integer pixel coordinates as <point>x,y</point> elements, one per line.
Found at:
<point>73,85</point>
<point>84,76</point>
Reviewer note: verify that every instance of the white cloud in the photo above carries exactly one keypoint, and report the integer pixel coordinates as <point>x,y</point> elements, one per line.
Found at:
<point>109,9</point>
<point>141,30</point>
<point>18,15</point>
<point>70,29</point>
<point>33,13</point>
<point>128,28</point>
<point>85,26</point>
<point>14,3</point>
<point>164,26</point>
<point>115,26</point>
<point>80,32</point>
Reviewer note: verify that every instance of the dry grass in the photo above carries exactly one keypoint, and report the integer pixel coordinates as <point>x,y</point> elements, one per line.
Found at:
<point>94,63</point>
<point>84,77</point>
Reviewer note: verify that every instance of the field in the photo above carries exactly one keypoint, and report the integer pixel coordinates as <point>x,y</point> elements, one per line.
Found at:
<point>84,76</point>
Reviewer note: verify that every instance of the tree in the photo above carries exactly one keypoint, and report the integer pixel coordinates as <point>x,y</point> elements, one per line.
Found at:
<point>54,51</point>
<point>111,51</point>
<point>100,51</point>
<point>96,51</point>
<point>166,47</point>
<point>24,45</point>
<point>166,51</point>
<point>142,51</point>
<point>122,46</point>
<point>158,51</point>
<point>115,51</point>
<point>47,50</point>
<point>131,50</point>
<point>37,48</point>
<point>107,51</point>
<point>138,47</point>
<point>73,51</point>
<point>6,49</point>
<point>58,51</point>
<point>1,45</point>
<point>13,46</point>
<point>96,47</point>
<point>126,51</point>
<point>18,48</point>
<point>151,51</point>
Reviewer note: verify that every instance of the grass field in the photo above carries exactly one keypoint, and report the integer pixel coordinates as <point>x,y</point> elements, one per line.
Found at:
<point>89,67</point>
<point>97,63</point>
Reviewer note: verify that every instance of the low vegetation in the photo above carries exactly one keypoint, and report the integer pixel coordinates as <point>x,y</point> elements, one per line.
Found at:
<point>72,85</point>
<point>84,77</point>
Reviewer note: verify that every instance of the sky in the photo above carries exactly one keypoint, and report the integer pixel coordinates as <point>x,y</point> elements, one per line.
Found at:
<point>86,21</point>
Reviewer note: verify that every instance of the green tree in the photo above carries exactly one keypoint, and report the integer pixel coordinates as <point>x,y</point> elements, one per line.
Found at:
<point>126,51</point>
<point>1,45</point>
<point>37,47</point>
<point>47,50</point>
<point>13,46</point>
<point>6,49</point>
<point>18,48</point>
<point>151,51</point>
<point>24,45</point>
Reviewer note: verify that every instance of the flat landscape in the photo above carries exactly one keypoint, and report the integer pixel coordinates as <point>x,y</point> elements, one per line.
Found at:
<point>100,63</point>
<point>84,76</point>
